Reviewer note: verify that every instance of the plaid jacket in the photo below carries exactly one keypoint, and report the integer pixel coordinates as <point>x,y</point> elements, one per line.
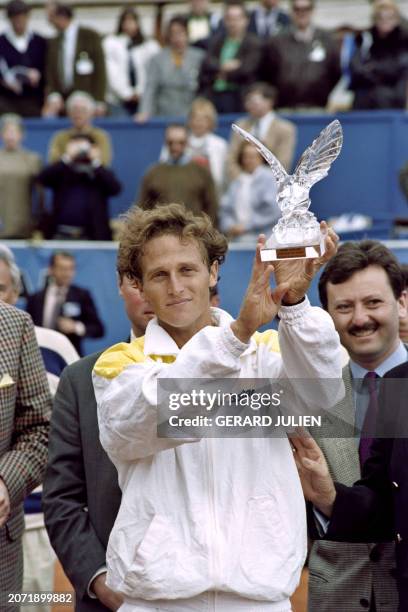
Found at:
<point>25,405</point>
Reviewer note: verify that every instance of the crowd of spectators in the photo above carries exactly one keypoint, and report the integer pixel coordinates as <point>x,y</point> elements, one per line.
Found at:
<point>215,55</point>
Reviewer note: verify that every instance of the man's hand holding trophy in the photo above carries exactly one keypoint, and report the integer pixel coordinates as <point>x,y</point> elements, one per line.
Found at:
<point>298,236</point>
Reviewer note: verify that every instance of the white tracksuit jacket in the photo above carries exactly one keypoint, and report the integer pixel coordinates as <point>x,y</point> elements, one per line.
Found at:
<point>211,514</point>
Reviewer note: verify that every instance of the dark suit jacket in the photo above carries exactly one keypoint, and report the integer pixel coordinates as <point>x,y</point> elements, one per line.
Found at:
<point>25,406</point>
<point>375,508</point>
<point>87,314</point>
<point>81,496</point>
<point>250,54</point>
<point>29,102</point>
<point>88,46</point>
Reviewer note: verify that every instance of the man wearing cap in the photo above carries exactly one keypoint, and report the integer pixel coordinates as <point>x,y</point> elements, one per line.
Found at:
<point>22,64</point>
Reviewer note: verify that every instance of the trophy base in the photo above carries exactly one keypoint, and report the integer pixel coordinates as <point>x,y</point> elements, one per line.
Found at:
<point>310,251</point>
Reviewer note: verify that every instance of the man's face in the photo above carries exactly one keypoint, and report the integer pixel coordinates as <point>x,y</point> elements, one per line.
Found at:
<point>302,11</point>
<point>19,23</point>
<point>137,309</point>
<point>257,105</point>
<point>235,21</point>
<point>80,114</point>
<point>366,315</point>
<point>63,270</point>
<point>12,137</point>
<point>176,141</point>
<point>176,283</point>
<point>8,293</point>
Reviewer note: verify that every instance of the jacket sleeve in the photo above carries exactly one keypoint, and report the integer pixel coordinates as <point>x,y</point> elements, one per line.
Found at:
<point>23,466</point>
<point>227,217</point>
<point>69,527</point>
<point>107,181</point>
<point>126,389</point>
<point>51,175</point>
<point>99,80</point>
<point>93,325</point>
<point>250,55</point>
<point>210,203</point>
<point>148,101</point>
<point>311,357</point>
<point>116,68</point>
<point>364,512</point>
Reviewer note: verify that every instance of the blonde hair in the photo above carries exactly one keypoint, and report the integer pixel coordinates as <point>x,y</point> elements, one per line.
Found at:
<point>385,5</point>
<point>205,107</point>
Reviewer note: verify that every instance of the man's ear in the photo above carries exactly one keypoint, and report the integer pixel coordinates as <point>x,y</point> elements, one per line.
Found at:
<point>214,273</point>
<point>402,305</point>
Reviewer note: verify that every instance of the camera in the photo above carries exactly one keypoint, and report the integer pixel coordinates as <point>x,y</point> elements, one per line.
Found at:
<point>83,154</point>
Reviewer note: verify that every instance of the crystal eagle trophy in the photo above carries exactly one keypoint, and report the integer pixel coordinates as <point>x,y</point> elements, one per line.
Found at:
<point>297,234</point>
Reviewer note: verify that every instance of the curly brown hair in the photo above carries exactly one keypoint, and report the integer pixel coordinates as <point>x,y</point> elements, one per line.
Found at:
<point>140,226</point>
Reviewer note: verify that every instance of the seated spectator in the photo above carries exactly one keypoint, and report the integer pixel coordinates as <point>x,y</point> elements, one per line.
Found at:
<point>204,147</point>
<point>379,66</point>
<point>303,63</point>
<point>267,19</point>
<point>279,135</point>
<point>75,61</point>
<point>22,64</point>
<point>63,306</point>
<point>18,168</point>
<point>81,109</point>
<point>179,179</point>
<point>81,186</point>
<point>127,55</point>
<point>249,206</point>
<point>201,23</point>
<point>231,62</point>
<point>172,83</point>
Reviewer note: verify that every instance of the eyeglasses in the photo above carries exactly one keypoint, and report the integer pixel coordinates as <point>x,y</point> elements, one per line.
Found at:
<point>175,141</point>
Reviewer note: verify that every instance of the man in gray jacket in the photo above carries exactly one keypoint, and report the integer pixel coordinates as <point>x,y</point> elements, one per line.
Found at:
<point>363,290</point>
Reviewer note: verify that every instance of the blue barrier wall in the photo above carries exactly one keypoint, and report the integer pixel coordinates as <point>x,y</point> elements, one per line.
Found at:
<point>364,178</point>
<point>96,271</point>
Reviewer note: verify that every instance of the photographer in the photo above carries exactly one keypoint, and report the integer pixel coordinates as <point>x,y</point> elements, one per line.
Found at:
<point>81,186</point>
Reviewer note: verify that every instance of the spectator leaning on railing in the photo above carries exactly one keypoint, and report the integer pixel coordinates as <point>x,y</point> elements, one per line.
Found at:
<point>22,64</point>
<point>127,55</point>
<point>173,73</point>
<point>75,61</point>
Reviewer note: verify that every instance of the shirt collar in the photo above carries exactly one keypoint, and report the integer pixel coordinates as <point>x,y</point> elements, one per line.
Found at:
<point>159,342</point>
<point>400,355</point>
<point>18,42</point>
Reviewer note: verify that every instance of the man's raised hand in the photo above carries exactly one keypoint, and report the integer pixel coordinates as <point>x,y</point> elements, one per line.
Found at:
<point>261,303</point>
<point>299,273</point>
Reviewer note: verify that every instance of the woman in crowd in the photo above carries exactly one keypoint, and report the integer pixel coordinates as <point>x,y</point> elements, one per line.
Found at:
<point>18,167</point>
<point>127,55</point>
<point>205,147</point>
<point>249,206</point>
<point>379,66</point>
<point>173,75</point>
